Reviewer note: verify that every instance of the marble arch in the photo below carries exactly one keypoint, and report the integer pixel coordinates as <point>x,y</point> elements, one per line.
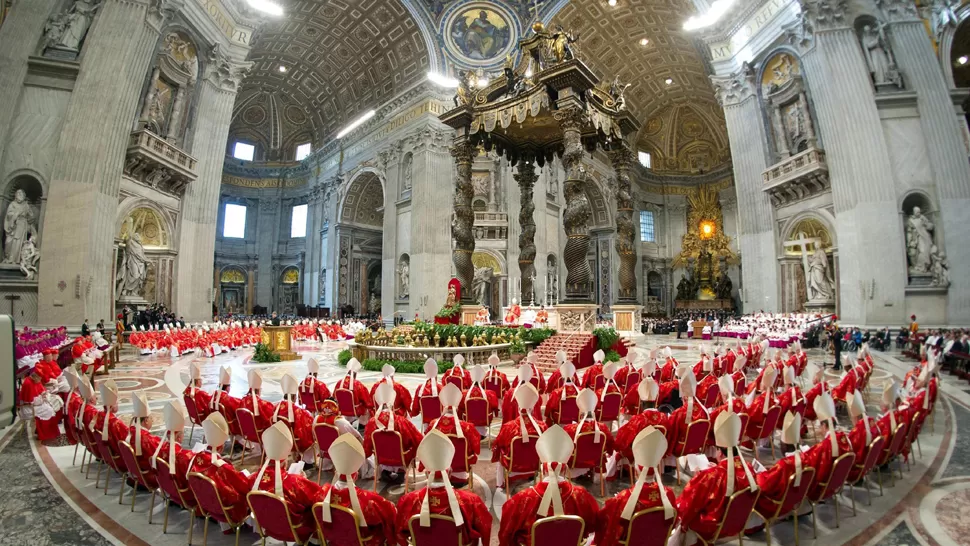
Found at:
<point>363,200</point>
<point>821,215</point>
<point>130,205</point>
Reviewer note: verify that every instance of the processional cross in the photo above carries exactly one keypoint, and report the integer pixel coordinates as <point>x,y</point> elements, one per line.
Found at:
<point>803,242</point>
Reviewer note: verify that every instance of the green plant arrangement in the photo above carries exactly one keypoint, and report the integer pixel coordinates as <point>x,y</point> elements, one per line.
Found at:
<point>343,357</point>
<point>612,356</point>
<point>449,312</point>
<point>403,366</point>
<point>606,338</point>
<point>490,334</point>
<point>516,346</point>
<point>265,354</point>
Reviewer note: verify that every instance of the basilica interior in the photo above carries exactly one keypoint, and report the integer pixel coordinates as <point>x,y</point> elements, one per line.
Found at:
<point>608,162</point>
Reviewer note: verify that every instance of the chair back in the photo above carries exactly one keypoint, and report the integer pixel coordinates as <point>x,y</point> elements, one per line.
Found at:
<point>793,495</point>
<point>599,382</point>
<point>131,463</point>
<point>109,458</point>
<point>739,384</point>
<point>345,402</point>
<point>561,530</point>
<point>632,378</point>
<point>836,478</point>
<point>459,463</point>
<point>455,380</point>
<point>645,528</point>
<point>388,448</point>
<point>869,458</point>
<point>770,422</point>
<point>430,408</point>
<point>324,434</point>
<point>609,408</point>
<point>166,482</point>
<point>272,516</point>
<point>568,411</point>
<point>710,397</point>
<point>744,423</point>
<point>494,384</point>
<point>192,409</point>
<point>476,412</point>
<point>343,529</point>
<point>248,426</point>
<point>441,532</point>
<point>309,401</point>
<point>587,453</point>
<point>207,495</point>
<point>736,514</point>
<point>895,444</point>
<point>694,439</point>
<point>523,456</point>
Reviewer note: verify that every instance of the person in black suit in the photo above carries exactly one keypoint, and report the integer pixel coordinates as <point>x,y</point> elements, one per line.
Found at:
<point>85,329</point>
<point>837,344</point>
<point>275,320</point>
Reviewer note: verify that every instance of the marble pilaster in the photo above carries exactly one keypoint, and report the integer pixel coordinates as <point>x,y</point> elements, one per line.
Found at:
<point>390,160</point>
<point>433,173</point>
<point>87,174</point>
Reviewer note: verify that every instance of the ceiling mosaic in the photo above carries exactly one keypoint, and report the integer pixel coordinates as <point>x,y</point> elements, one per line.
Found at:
<point>686,138</point>
<point>273,121</point>
<point>341,58</point>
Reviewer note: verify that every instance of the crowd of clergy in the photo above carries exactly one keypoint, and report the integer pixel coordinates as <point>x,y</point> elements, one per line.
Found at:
<point>636,419</point>
<point>222,337</point>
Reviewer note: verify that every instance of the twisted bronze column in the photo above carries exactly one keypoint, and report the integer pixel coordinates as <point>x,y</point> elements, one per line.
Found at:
<point>526,177</point>
<point>622,159</point>
<point>575,218</point>
<point>463,218</point>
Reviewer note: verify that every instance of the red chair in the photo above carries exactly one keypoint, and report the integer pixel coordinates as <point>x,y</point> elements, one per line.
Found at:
<point>891,450</point>
<point>832,486</point>
<point>589,454</point>
<point>454,380</point>
<point>560,530</point>
<point>138,475</point>
<point>739,508</point>
<point>113,462</point>
<point>771,510</point>
<point>739,384</point>
<point>430,409</point>
<point>476,413</point>
<point>522,458</point>
<point>250,430</point>
<point>694,441</point>
<point>644,528</point>
<point>632,379</point>
<point>568,411</point>
<point>345,402</point>
<point>87,438</point>
<point>211,505</point>
<point>324,435</point>
<point>441,532</point>
<point>912,435</point>
<point>864,467</point>
<point>710,397</point>
<point>608,410</point>
<point>389,451</point>
<point>599,382</point>
<point>273,519</point>
<point>194,416</point>
<point>171,492</point>
<point>461,462</point>
<point>494,384</point>
<point>343,529</point>
<point>309,401</point>
<point>767,431</point>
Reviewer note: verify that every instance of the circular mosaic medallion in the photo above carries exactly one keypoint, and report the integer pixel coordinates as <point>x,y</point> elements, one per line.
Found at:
<point>654,125</point>
<point>295,115</point>
<point>254,115</point>
<point>479,33</point>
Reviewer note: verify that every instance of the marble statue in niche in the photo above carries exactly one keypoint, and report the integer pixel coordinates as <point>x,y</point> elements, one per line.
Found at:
<point>29,256</point>
<point>879,56</point>
<point>18,225</point>
<point>133,271</point>
<point>940,268</point>
<point>183,53</point>
<point>941,14</point>
<point>919,241</point>
<point>404,279</point>
<point>408,162</point>
<point>820,285</point>
<point>65,31</point>
<point>480,283</point>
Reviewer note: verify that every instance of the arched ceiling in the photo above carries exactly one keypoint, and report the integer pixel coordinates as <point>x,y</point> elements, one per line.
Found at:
<point>342,58</point>
<point>609,41</point>
<point>686,137</point>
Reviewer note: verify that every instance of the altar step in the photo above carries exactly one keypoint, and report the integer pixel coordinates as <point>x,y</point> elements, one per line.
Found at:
<point>579,349</point>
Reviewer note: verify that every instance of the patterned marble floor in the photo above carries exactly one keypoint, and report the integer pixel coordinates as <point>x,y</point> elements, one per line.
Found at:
<point>54,504</point>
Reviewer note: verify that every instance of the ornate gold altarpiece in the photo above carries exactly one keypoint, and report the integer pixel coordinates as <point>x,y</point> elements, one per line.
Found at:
<point>278,340</point>
<point>562,110</point>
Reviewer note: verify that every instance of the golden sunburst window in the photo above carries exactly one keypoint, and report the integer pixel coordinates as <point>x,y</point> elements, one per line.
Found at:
<point>707,229</point>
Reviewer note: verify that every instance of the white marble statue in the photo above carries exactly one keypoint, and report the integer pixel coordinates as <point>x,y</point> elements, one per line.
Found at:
<point>879,56</point>
<point>941,14</point>
<point>404,276</point>
<point>408,161</point>
<point>67,30</point>
<point>820,286</point>
<point>919,241</point>
<point>29,256</point>
<point>134,268</point>
<point>480,282</point>
<point>18,223</point>
<point>940,268</point>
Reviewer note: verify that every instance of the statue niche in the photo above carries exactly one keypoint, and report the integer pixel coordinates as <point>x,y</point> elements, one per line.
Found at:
<point>65,31</point>
<point>873,36</point>
<point>21,218</point>
<point>927,263</point>
<point>170,87</point>
<point>787,105</point>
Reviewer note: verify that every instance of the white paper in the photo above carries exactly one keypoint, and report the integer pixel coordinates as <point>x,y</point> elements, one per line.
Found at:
<point>198,447</point>
<point>697,461</point>
<point>296,468</point>
<point>246,473</point>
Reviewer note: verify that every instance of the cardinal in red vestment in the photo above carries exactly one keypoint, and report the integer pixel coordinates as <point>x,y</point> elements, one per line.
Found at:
<point>387,419</point>
<point>39,404</point>
<point>169,449</point>
<point>892,415</point>
<point>774,481</point>
<point>731,403</point>
<point>194,391</point>
<point>556,380</point>
<point>451,426</point>
<point>112,430</point>
<point>537,379</point>
<point>414,509</point>
<point>298,420</point>
<point>402,398</point>
<point>553,496</point>
<point>261,409</point>
<point>231,484</point>
<point>363,403</point>
<point>312,384</point>
<point>476,391</point>
<point>458,371</point>
<point>649,417</point>
<point>141,439</point>
<point>613,522</point>
<point>691,410</point>
<point>631,399</point>
<point>759,406</point>
<point>592,373</point>
<point>568,391</point>
<point>834,444</point>
<point>510,405</point>
<point>299,493</point>
<point>865,428</point>
<point>226,404</point>
<point>494,376</point>
<point>375,515</point>
<point>791,398</point>
<point>523,426</point>
<point>430,388</point>
<point>588,426</point>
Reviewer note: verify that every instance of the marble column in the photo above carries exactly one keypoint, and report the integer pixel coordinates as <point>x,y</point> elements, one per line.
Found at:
<point>625,244</point>
<point>756,241</point>
<point>312,247</point>
<point>944,144</point>
<point>84,188</point>
<point>24,23</point>
<point>462,225</point>
<point>200,203</point>
<point>525,175</point>
<point>868,230</point>
<point>578,210</point>
<point>390,159</point>
<point>432,196</point>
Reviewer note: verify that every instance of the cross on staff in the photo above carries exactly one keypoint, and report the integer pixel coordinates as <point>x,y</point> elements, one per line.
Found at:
<point>803,242</point>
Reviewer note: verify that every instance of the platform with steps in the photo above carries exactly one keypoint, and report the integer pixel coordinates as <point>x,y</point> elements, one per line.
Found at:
<point>579,349</point>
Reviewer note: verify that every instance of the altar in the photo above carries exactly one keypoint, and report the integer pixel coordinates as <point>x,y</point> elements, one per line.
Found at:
<point>277,338</point>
